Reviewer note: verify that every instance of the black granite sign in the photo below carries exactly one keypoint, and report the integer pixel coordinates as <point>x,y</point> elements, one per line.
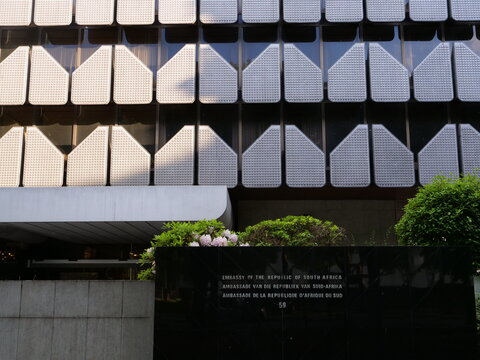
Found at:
<point>314,303</point>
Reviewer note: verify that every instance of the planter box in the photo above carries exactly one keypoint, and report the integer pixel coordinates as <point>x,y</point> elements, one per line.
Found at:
<point>314,303</point>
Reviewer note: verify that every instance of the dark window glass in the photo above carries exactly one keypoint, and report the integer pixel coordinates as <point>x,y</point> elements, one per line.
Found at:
<point>456,31</point>
<point>143,42</point>
<point>56,122</point>
<point>62,45</point>
<point>216,34</point>
<point>299,33</point>
<point>188,34</point>
<point>256,118</point>
<point>91,117</point>
<point>223,119</point>
<point>426,120</point>
<point>390,115</point>
<point>340,120</point>
<point>92,39</point>
<point>308,118</point>
<point>373,32</point>
<point>140,121</point>
<point>11,116</point>
<point>173,118</point>
<point>465,113</point>
<point>260,34</point>
<point>12,39</point>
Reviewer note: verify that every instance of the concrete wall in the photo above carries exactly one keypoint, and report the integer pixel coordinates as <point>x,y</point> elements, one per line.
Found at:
<point>76,320</point>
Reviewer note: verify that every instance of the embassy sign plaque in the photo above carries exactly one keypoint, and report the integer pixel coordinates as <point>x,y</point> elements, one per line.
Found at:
<point>314,303</point>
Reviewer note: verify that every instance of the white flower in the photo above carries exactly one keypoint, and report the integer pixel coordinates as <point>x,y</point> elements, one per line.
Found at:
<point>194,244</point>
<point>153,271</point>
<point>233,238</point>
<point>223,241</point>
<point>226,233</point>
<point>246,244</point>
<point>205,240</point>
<point>217,241</point>
<point>150,250</point>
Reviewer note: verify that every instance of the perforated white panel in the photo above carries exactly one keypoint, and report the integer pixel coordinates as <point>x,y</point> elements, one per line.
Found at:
<point>350,160</point>
<point>176,79</point>
<point>130,162</point>
<point>261,162</point>
<point>177,11</point>
<point>467,73</point>
<point>53,12</point>
<point>217,162</point>
<point>11,145</point>
<point>13,77</point>
<point>470,140</point>
<point>15,12</point>
<point>43,162</point>
<point>428,10</point>
<point>303,79</point>
<point>261,79</point>
<point>49,81</point>
<point>87,163</point>
<point>302,11</point>
<point>439,156</point>
<point>386,10</point>
<point>218,79</point>
<point>433,77</point>
<point>305,162</point>
<point>389,80</point>
<point>344,10</point>
<point>133,81</point>
<point>465,10</point>
<point>94,12</point>
<point>347,80</point>
<point>92,81</point>
<point>174,162</point>
<point>260,11</point>
<point>135,12</point>
<point>392,160</point>
<point>218,11</point>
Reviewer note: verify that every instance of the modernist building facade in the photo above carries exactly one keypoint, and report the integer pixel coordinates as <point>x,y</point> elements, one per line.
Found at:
<point>119,115</point>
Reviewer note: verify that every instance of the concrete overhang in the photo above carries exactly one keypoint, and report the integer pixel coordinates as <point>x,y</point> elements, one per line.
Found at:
<point>106,215</point>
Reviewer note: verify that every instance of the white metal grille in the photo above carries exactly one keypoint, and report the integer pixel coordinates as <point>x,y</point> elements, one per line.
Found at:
<point>44,162</point>
<point>470,140</point>
<point>302,11</point>
<point>305,162</point>
<point>389,80</point>
<point>177,11</point>
<point>261,79</point>
<point>53,12</point>
<point>15,12</point>
<point>344,10</point>
<point>176,79</point>
<point>174,162</point>
<point>303,79</point>
<point>87,163</point>
<point>350,160</point>
<point>133,81</point>
<point>467,73</point>
<point>439,156</point>
<point>135,12</point>
<point>130,162</point>
<point>347,77</point>
<point>261,11</point>
<point>386,10</point>
<point>218,11</point>
<point>261,162</point>
<point>217,162</point>
<point>92,81</point>
<point>433,77</point>
<point>13,77</point>
<point>428,10</point>
<point>218,79</point>
<point>49,81</point>
<point>465,10</point>
<point>94,12</point>
<point>11,145</point>
<point>392,160</point>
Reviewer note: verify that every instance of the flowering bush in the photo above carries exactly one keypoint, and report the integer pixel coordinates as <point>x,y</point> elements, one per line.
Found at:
<point>205,233</point>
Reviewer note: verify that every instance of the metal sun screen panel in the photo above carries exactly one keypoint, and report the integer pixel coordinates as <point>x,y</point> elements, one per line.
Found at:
<point>15,12</point>
<point>467,73</point>
<point>261,11</point>
<point>218,11</point>
<point>135,12</point>
<point>470,140</point>
<point>344,10</point>
<point>94,12</point>
<point>11,147</point>
<point>302,11</point>
<point>177,11</point>
<point>53,12</point>
<point>13,77</point>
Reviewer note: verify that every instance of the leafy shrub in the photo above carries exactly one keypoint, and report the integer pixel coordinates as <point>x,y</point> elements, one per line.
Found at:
<point>445,212</point>
<point>294,231</point>
<point>176,234</point>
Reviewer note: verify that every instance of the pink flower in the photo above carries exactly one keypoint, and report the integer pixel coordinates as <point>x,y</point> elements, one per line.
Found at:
<point>226,233</point>
<point>205,240</point>
<point>233,238</point>
<point>194,244</point>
